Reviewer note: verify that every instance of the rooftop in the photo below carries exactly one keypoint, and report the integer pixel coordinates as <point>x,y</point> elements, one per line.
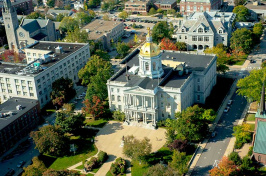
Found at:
<point>173,80</point>
<point>32,25</point>
<point>10,106</point>
<point>68,48</point>
<point>98,28</point>
<point>260,138</point>
<point>165,1</point>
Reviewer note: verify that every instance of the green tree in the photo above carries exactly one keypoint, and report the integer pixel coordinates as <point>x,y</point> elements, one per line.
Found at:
<point>257,31</point>
<point>239,2</point>
<point>159,11</point>
<point>247,165</point>
<point>152,11</point>
<point>92,13</point>
<point>60,17</point>
<point>68,24</point>
<point>68,107</point>
<point>35,169</point>
<point>251,85</point>
<point>96,65</point>
<point>160,170</point>
<point>242,38</point>
<point>105,6</point>
<point>208,115</point>
<point>123,15</point>
<point>122,48</point>
<point>161,30</point>
<point>118,115</point>
<point>136,149</point>
<point>191,124</point>
<point>62,91</point>
<point>67,7</point>
<point>235,158</point>
<point>106,17</point>
<point>85,5</point>
<point>242,13</point>
<point>50,140</point>
<point>35,15</point>
<point>179,162</point>
<point>83,18</point>
<point>103,54</point>
<point>69,122</point>
<point>50,3</point>
<point>242,134</point>
<point>181,46</point>
<point>77,36</point>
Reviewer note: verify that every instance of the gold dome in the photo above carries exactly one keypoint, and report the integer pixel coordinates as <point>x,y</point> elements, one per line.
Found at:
<point>150,50</point>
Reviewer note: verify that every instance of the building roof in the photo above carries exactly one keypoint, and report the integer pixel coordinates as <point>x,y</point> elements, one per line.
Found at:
<point>10,106</point>
<point>68,12</point>
<point>170,78</point>
<point>251,6</point>
<point>260,138</point>
<point>68,48</point>
<point>39,36</point>
<point>165,1</point>
<point>208,1</point>
<point>32,25</point>
<point>212,21</point>
<point>98,28</point>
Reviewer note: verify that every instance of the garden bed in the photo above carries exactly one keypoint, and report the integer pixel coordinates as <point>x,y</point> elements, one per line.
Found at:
<point>250,117</point>
<point>95,123</point>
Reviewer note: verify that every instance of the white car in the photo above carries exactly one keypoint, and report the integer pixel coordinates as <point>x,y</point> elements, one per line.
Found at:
<point>226,109</point>
<point>230,102</point>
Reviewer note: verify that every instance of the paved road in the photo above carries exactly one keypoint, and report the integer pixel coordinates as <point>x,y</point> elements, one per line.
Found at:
<point>216,147</point>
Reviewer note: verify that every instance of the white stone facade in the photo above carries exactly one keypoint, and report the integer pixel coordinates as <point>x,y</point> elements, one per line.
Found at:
<point>15,81</point>
<point>203,30</point>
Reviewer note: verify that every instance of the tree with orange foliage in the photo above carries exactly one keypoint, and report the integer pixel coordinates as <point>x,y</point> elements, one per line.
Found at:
<point>224,168</point>
<point>167,44</point>
<point>96,108</point>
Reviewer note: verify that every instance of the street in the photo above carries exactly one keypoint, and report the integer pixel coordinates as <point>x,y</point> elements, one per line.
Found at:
<point>216,146</point>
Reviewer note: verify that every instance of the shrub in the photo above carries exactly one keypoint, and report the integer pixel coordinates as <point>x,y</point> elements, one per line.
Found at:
<point>161,123</point>
<point>91,164</point>
<point>250,151</point>
<point>118,167</point>
<point>117,115</point>
<point>179,145</point>
<point>247,164</point>
<point>102,157</point>
<point>235,158</point>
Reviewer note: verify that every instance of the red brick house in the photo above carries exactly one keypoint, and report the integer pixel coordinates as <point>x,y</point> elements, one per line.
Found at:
<point>187,7</point>
<point>166,4</point>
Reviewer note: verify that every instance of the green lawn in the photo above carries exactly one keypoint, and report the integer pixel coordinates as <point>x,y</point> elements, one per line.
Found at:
<point>96,123</point>
<point>241,62</point>
<point>251,117</point>
<point>80,167</point>
<point>252,127</point>
<point>109,174</point>
<point>138,169</point>
<point>85,149</point>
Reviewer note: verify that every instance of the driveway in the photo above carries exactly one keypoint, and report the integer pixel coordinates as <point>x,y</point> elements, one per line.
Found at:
<point>109,138</point>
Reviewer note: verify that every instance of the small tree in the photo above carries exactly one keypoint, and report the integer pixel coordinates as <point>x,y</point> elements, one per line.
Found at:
<point>152,11</point>
<point>179,162</point>
<point>123,15</point>
<point>167,44</point>
<point>102,157</point>
<point>77,36</point>
<point>160,170</point>
<point>122,48</point>
<point>96,108</point>
<point>118,167</point>
<point>136,149</point>
<point>247,165</point>
<point>225,167</point>
<point>235,158</point>
<point>106,17</point>
<point>35,169</point>
<point>68,107</point>
<point>181,46</point>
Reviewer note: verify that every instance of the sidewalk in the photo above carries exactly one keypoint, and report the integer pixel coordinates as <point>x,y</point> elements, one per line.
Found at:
<point>212,127</point>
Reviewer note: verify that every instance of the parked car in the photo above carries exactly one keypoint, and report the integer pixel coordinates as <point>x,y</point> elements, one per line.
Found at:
<point>230,102</point>
<point>10,172</point>
<point>227,109</point>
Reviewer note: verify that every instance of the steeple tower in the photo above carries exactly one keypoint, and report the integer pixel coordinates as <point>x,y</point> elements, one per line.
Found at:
<point>150,63</point>
<point>11,24</point>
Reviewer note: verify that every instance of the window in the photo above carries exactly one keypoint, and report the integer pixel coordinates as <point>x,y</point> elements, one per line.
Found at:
<point>117,90</point>
<point>200,38</point>
<point>25,94</point>
<point>201,8</point>
<point>43,78</point>
<point>38,80</point>
<point>220,31</point>
<point>183,30</point>
<point>198,87</point>
<point>180,37</point>
<point>198,80</point>
<point>40,93</point>
<point>162,114</point>
<point>3,90</point>
<point>161,95</point>
<point>113,98</point>
<point>18,92</point>
<point>22,81</point>
<point>31,94</point>
<point>206,39</point>
<point>175,97</point>
<point>259,158</point>
<point>30,88</point>
<point>7,80</point>
<point>162,104</point>
<point>198,97</point>
<point>185,37</point>
<point>188,8</point>
<point>40,55</point>
<point>16,81</point>
<point>9,91</point>
<point>200,30</point>
<point>222,38</point>
<point>23,87</point>
<point>34,54</point>
<point>28,53</point>
<point>147,66</point>
<point>17,86</point>
<point>154,65</point>
<point>119,107</point>
<point>8,85</point>
<point>194,38</point>
<point>118,98</point>
<point>112,89</point>
<point>195,8</point>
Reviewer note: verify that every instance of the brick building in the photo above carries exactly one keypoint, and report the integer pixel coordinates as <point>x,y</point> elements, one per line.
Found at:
<point>187,7</point>
<point>166,4</point>
<point>18,117</point>
<point>23,7</point>
<point>138,6</point>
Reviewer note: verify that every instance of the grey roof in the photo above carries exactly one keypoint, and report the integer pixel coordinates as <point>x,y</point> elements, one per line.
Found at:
<point>32,25</point>
<point>260,138</point>
<point>39,36</point>
<point>69,12</point>
<point>9,68</point>
<point>165,1</point>
<point>10,105</point>
<point>193,63</point>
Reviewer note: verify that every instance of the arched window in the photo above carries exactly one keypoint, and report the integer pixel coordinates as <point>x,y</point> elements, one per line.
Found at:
<point>147,66</point>
<point>195,8</point>
<point>154,66</point>
<point>220,31</point>
<point>200,30</point>
<point>259,158</point>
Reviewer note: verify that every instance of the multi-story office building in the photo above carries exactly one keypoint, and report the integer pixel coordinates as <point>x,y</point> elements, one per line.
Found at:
<point>188,7</point>
<point>105,32</point>
<point>201,30</point>
<point>46,62</point>
<point>153,85</point>
<point>18,116</point>
<point>138,6</point>
<point>166,4</point>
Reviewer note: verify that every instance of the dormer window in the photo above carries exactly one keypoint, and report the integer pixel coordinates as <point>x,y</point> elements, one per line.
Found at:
<point>200,30</point>
<point>220,31</point>
<point>183,30</point>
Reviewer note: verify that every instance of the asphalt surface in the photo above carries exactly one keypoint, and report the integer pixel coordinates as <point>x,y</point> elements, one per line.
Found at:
<point>217,146</point>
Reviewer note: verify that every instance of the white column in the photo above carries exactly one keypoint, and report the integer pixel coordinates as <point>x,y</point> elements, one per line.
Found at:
<point>145,117</point>
<point>142,98</point>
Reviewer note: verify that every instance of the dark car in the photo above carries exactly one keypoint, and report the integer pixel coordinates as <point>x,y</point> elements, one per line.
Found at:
<point>10,172</point>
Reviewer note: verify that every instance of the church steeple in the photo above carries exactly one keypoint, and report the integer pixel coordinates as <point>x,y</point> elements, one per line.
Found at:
<point>8,6</point>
